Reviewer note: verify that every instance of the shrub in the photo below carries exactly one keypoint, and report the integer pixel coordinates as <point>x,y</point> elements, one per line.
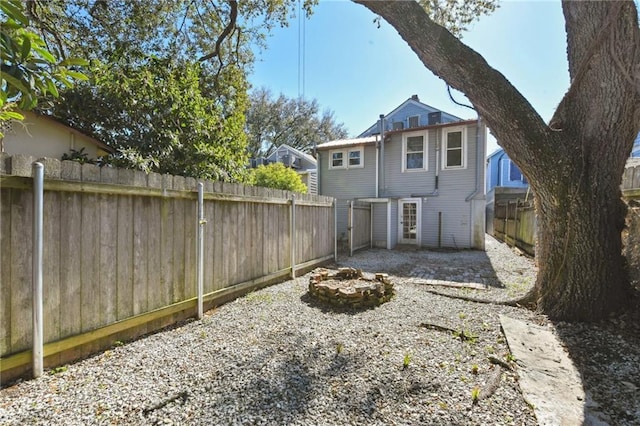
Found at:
<point>277,176</point>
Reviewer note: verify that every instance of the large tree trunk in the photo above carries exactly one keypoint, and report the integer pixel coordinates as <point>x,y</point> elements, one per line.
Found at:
<point>575,163</point>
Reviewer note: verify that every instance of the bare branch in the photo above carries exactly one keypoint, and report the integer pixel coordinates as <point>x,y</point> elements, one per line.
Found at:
<point>231,25</point>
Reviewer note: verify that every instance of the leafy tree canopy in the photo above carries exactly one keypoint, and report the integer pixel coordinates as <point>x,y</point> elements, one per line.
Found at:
<point>277,176</point>
<point>298,123</point>
<point>168,77</point>
<point>28,70</point>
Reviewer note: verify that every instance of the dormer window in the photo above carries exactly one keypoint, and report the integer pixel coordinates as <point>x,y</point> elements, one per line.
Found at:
<point>414,121</point>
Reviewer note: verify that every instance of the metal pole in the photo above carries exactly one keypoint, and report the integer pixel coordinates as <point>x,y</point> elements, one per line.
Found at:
<point>38,195</point>
<point>200,247</point>
<point>371,226</point>
<point>293,235</point>
<point>350,228</point>
<point>335,230</point>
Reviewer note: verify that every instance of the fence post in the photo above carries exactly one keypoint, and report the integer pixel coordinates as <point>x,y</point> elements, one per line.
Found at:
<point>335,230</point>
<point>350,228</point>
<point>38,196</point>
<point>292,221</point>
<point>201,221</point>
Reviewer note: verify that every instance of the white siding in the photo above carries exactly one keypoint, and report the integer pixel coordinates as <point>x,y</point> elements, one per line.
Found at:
<point>380,225</point>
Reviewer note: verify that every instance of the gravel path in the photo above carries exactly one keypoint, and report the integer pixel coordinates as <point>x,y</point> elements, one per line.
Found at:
<point>274,357</point>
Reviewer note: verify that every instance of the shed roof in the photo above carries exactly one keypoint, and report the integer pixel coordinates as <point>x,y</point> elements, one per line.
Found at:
<point>348,142</point>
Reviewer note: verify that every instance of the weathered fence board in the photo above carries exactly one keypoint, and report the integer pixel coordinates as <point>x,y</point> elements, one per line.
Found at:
<point>120,254</point>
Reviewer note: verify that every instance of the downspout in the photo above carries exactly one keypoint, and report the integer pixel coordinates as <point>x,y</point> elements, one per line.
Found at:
<point>377,167</point>
<point>382,152</point>
<point>476,190</point>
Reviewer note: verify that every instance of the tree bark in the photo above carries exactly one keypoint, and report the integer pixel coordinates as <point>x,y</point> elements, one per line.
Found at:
<point>574,164</point>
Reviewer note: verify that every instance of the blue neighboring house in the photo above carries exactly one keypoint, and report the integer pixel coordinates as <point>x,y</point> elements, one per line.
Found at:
<point>503,172</point>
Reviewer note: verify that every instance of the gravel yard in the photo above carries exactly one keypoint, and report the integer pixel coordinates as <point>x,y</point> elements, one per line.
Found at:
<point>276,357</point>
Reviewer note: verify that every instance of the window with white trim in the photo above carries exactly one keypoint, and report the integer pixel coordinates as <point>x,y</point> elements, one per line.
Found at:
<point>352,158</point>
<point>414,151</point>
<point>454,150</point>
<point>337,160</point>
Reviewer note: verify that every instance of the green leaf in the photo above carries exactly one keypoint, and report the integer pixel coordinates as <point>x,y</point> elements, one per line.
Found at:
<point>12,115</point>
<point>44,53</point>
<point>77,75</point>
<point>13,12</point>
<point>52,88</point>
<point>73,61</point>
<point>26,46</point>
<point>14,82</point>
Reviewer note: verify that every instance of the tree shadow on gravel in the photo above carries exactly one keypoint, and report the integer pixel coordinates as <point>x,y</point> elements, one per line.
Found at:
<point>607,356</point>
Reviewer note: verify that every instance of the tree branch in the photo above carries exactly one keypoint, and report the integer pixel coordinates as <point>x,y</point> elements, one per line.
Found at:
<point>233,16</point>
<point>509,115</point>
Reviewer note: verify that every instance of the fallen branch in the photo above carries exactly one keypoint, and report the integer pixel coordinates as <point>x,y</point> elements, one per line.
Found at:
<point>501,363</point>
<point>520,302</point>
<point>459,334</point>
<point>492,385</point>
<point>182,396</point>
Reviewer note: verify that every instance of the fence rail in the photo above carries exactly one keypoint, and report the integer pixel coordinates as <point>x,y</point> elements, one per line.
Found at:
<point>120,252</point>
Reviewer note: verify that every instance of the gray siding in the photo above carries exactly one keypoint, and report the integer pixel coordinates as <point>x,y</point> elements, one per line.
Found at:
<point>448,219</point>
<point>347,184</point>
<point>454,186</point>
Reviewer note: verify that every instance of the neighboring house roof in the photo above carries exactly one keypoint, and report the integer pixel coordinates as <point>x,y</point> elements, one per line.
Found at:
<point>415,101</point>
<point>347,142</point>
<point>58,122</point>
<point>295,151</point>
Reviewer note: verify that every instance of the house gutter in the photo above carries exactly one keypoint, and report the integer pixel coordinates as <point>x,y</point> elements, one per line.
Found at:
<point>477,189</point>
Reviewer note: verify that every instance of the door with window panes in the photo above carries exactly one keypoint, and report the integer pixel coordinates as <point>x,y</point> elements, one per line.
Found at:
<point>409,226</point>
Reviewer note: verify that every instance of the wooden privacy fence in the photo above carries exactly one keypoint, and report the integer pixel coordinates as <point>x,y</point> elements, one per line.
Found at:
<point>359,225</point>
<point>120,252</point>
<point>514,222</point>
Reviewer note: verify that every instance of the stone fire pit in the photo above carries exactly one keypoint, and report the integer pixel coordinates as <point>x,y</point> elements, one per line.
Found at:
<point>349,288</point>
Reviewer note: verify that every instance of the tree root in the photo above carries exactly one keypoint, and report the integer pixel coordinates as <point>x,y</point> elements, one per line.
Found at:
<point>501,363</point>
<point>183,396</point>
<point>464,337</point>
<point>527,301</point>
<point>492,385</point>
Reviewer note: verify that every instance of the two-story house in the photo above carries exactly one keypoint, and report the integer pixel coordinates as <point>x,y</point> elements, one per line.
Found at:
<point>421,169</point>
<point>304,164</point>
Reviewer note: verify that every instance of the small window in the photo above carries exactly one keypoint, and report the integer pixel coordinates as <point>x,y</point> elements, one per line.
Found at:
<point>414,150</point>
<point>355,158</point>
<point>337,160</point>
<point>398,125</point>
<point>347,159</point>
<point>454,149</point>
<point>414,121</point>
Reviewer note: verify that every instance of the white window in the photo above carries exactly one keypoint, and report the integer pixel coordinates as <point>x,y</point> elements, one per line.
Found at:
<point>337,160</point>
<point>347,159</point>
<point>454,151</point>
<point>414,121</point>
<point>355,158</point>
<point>414,151</point>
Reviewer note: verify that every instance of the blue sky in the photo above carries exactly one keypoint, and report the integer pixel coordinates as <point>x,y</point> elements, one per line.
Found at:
<point>360,71</point>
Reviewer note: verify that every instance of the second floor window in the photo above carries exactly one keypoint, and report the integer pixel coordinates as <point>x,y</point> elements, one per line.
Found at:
<point>354,158</point>
<point>414,152</point>
<point>454,149</point>
<point>414,121</point>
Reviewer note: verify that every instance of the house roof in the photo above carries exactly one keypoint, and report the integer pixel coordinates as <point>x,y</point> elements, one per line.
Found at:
<point>412,100</point>
<point>57,122</point>
<point>433,126</point>
<point>295,151</point>
<point>348,142</point>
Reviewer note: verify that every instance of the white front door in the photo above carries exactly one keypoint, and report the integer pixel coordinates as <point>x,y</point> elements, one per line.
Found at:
<point>409,214</point>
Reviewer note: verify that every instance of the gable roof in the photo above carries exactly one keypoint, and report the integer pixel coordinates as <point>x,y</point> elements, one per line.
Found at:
<point>59,123</point>
<point>296,152</point>
<point>413,100</point>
